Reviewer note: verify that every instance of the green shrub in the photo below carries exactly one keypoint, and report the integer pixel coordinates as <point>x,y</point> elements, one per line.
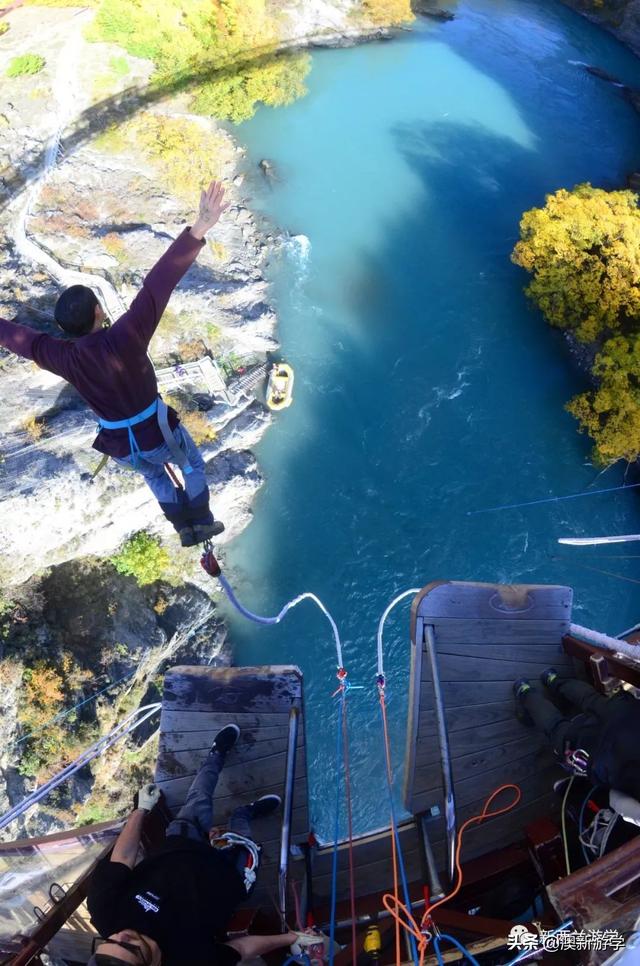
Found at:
<point>4,26</point>
<point>25,64</point>
<point>119,66</point>
<point>142,557</point>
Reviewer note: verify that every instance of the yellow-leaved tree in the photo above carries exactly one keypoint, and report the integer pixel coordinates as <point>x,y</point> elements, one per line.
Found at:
<point>224,51</point>
<point>610,414</point>
<point>583,251</point>
<point>388,11</point>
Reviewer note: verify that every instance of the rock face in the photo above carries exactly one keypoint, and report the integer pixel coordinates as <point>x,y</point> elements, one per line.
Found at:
<point>87,195</point>
<point>94,626</point>
<point>620,17</point>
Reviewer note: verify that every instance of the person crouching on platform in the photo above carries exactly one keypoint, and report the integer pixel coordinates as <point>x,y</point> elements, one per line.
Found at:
<point>113,373</point>
<point>600,742</point>
<point>174,906</point>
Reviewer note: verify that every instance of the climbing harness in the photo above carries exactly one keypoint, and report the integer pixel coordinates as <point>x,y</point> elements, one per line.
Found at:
<point>230,840</point>
<point>159,408</point>
<point>577,762</point>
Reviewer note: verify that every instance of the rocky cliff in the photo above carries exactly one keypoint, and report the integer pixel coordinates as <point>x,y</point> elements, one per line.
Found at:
<point>620,17</point>
<point>99,170</point>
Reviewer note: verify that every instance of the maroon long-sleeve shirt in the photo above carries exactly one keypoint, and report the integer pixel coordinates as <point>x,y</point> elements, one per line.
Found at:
<point>110,368</point>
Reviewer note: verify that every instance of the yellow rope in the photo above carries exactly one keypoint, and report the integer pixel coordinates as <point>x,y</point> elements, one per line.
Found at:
<point>564,824</point>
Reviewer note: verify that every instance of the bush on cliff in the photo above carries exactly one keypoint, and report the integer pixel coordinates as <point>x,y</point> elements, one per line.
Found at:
<point>610,414</point>
<point>142,557</point>
<point>583,250</point>
<point>388,11</point>
<point>24,65</point>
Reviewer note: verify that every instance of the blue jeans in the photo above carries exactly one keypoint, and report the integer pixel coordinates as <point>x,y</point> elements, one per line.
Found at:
<point>181,507</point>
<point>195,818</point>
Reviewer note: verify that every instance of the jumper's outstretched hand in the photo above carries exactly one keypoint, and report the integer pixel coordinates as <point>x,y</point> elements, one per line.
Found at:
<point>211,207</point>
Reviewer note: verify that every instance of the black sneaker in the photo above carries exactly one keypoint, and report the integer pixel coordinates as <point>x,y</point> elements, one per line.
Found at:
<point>187,537</point>
<point>204,531</point>
<point>549,677</point>
<point>265,805</point>
<point>520,688</point>
<point>225,739</point>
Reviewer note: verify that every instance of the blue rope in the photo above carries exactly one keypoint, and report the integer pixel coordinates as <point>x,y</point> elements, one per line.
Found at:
<point>567,924</point>
<point>551,499</point>
<point>296,959</point>
<point>80,704</point>
<point>334,869</point>
<point>465,952</point>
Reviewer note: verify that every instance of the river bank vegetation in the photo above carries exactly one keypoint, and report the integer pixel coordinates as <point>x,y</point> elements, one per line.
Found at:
<point>233,45</point>
<point>583,252</point>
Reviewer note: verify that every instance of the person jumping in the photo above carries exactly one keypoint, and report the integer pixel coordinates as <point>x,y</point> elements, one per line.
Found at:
<point>113,373</point>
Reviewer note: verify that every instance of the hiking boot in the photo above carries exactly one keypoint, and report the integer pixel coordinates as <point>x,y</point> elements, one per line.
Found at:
<point>549,678</point>
<point>520,688</point>
<point>187,537</point>
<point>265,805</point>
<point>225,739</point>
<point>204,531</point>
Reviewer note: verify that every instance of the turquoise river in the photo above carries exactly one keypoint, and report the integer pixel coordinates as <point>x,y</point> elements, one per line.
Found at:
<point>425,385</point>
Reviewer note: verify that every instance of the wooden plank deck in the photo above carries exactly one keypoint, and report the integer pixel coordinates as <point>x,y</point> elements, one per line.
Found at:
<point>486,636</point>
<point>196,703</point>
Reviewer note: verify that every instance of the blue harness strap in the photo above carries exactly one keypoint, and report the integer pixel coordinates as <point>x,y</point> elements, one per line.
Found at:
<point>157,406</point>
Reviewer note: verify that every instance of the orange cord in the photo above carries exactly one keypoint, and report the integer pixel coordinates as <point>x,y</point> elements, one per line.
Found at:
<point>399,911</point>
<point>475,819</point>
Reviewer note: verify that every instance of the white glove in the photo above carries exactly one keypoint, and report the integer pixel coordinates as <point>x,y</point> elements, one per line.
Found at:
<point>148,796</point>
<point>305,940</point>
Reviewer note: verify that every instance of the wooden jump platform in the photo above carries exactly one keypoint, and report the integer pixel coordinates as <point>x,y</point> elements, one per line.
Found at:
<point>196,703</point>
<point>486,636</point>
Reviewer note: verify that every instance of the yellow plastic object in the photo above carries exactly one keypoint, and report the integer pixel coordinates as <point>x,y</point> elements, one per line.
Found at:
<point>280,386</point>
<point>373,942</point>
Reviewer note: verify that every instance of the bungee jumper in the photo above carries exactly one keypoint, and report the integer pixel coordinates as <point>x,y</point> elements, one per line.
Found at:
<point>113,373</point>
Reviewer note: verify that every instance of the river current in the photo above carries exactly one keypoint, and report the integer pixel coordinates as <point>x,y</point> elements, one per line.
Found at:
<point>425,384</point>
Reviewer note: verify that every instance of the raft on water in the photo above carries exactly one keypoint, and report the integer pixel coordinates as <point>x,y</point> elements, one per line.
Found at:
<point>280,386</point>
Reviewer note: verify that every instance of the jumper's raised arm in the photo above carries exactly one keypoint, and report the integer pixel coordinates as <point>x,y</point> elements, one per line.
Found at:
<point>141,321</point>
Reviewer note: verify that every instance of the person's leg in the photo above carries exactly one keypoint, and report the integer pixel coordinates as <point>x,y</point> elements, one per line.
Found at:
<point>240,821</point>
<point>197,491</point>
<point>150,465</point>
<point>195,818</point>
<point>196,815</point>
<point>582,695</point>
<point>545,716</point>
